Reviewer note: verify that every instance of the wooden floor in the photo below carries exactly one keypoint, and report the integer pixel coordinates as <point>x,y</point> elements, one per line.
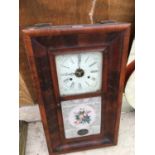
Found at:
<point>22,137</point>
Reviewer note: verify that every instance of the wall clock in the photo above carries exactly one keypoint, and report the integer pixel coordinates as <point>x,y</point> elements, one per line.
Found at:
<point>78,72</point>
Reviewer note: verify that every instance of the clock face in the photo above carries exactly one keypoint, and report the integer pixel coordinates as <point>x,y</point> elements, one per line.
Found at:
<point>79,73</point>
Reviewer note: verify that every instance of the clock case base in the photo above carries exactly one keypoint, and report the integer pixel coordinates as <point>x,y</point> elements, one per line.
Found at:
<point>41,42</point>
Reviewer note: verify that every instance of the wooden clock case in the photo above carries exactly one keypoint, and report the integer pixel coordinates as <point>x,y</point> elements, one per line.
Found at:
<point>43,43</point>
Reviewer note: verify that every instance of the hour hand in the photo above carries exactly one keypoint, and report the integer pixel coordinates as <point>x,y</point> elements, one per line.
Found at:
<point>67,74</point>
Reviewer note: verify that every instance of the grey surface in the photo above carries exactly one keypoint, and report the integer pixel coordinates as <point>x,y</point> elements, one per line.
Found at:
<point>29,113</point>
<point>36,144</point>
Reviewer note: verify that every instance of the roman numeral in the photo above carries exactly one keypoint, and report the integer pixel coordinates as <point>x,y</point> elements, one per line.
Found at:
<point>72,61</point>
<point>93,78</point>
<point>79,57</point>
<point>65,66</point>
<point>94,71</point>
<point>79,85</point>
<point>92,64</point>
<point>86,59</point>
<point>87,83</point>
<point>66,80</point>
<point>72,85</point>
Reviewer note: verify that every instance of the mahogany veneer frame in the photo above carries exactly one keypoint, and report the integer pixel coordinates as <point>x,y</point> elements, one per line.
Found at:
<point>42,43</point>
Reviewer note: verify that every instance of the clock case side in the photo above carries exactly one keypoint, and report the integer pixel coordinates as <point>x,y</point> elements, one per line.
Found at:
<point>125,52</point>
<point>37,86</point>
<point>44,97</point>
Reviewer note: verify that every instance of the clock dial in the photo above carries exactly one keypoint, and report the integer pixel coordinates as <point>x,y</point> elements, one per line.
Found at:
<point>79,73</point>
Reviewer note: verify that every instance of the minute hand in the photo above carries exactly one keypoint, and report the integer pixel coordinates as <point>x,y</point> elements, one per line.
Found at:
<point>79,60</point>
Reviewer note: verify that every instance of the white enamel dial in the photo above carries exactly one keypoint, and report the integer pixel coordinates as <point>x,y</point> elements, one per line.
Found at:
<point>79,73</point>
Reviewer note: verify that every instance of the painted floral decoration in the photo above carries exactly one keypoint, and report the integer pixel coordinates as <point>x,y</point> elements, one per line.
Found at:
<point>82,116</point>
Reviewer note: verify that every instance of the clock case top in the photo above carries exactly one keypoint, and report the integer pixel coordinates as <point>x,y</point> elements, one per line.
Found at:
<point>43,43</point>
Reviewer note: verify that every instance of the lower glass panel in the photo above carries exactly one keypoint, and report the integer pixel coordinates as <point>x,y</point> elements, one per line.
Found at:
<point>81,117</point>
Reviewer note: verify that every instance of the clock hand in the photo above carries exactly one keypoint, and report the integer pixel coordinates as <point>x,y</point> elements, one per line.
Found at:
<point>67,74</point>
<point>79,60</point>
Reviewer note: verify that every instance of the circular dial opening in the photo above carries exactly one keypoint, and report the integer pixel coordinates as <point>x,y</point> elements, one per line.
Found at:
<point>79,72</point>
